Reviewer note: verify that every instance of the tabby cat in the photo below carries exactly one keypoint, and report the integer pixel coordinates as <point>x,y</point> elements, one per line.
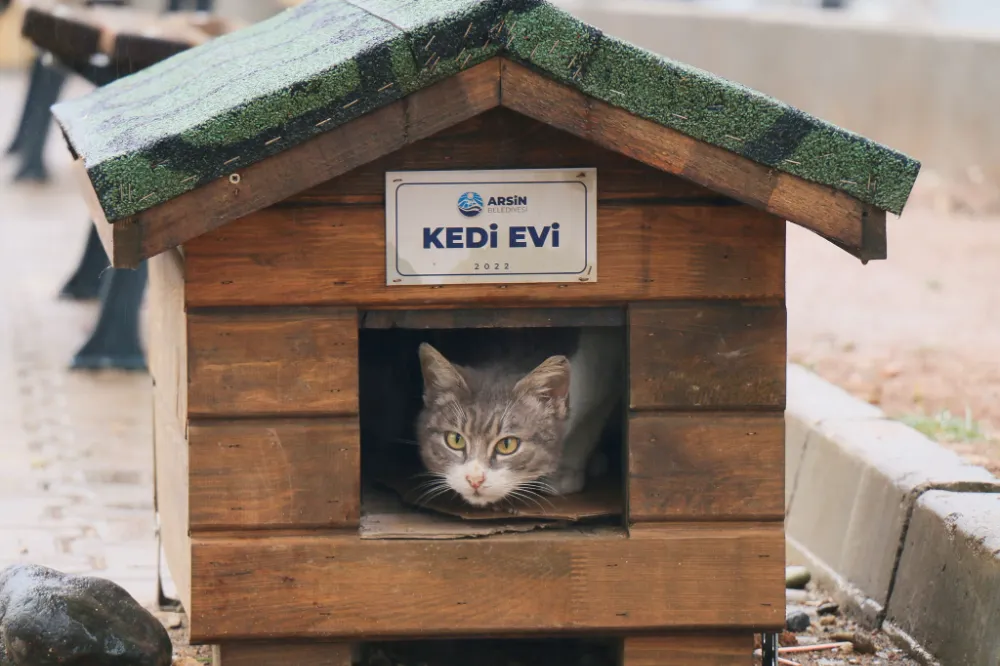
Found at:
<point>516,426</point>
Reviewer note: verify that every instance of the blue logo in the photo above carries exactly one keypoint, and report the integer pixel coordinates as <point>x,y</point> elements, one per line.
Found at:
<point>470,204</point>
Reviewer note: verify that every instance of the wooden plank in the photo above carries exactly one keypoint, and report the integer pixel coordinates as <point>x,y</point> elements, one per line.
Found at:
<point>282,361</point>
<point>256,474</point>
<point>706,466</point>
<point>285,654</point>
<point>707,356</point>
<point>689,650</point>
<point>269,181</point>
<point>830,213</point>
<point>492,318</point>
<point>340,587</point>
<point>336,256</point>
<point>502,139</point>
<point>168,367</point>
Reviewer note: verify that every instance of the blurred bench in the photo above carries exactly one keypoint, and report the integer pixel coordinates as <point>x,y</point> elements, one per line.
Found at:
<point>102,42</point>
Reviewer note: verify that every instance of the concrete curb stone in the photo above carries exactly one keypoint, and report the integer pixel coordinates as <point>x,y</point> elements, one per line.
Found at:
<point>853,480</point>
<point>951,560</point>
<point>810,401</point>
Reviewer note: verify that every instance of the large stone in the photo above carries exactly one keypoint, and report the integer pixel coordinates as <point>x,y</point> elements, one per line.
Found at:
<point>856,485</point>
<point>48,618</point>
<point>947,590</point>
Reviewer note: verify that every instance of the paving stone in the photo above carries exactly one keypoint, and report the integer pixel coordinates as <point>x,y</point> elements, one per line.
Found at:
<point>859,479</point>
<point>75,448</point>
<point>947,590</point>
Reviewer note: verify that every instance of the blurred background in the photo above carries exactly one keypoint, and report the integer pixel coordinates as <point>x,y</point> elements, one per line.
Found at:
<point>918,334</point>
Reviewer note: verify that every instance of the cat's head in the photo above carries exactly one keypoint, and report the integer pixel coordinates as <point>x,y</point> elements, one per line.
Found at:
<point>488,436</point>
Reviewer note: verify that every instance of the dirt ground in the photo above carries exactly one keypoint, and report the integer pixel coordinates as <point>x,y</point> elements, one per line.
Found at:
<point>918,334</point>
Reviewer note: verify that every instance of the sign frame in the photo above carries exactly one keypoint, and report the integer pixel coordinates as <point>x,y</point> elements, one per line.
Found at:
<point>573,243</point>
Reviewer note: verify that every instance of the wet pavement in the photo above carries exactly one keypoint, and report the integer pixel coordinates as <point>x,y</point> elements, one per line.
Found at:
<point>76,480</point>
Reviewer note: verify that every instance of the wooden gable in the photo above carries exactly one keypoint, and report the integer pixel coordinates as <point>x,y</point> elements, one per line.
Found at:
<point>857,227</point>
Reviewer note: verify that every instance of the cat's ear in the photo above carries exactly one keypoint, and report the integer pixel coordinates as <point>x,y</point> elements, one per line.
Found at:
<point>548,382</point>
<point>440,376</point>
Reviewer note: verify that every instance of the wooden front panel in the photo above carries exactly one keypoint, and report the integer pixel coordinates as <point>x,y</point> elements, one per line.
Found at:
<point>707,356</point>
<point>659,236</point>
<point>329,586</point>
<point>168,367</point>
<point>706,466</point>
<point>273,362</point>
<point>290,473</point>
<point>689,650</point>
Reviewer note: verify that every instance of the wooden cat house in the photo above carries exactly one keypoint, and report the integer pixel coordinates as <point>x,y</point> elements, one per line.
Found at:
<point>407,165</point>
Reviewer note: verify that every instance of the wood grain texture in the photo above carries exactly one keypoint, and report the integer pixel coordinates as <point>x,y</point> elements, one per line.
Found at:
<point>336,256</point>
<point>492,318</point>
<point>257,474</point>
<point>689,650</point>
<point>828,212</point>
<point>168,367</point>
<point>340,587</point>
<point>706,466</point>
<point>503,139</point>
<point>708,356</point>
<point>281,654</point>
<point>298,361</point>
<point>285,174</point>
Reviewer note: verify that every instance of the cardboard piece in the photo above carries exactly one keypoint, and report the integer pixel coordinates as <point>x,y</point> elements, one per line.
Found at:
<point>385,516</point>
<point>601,499</point>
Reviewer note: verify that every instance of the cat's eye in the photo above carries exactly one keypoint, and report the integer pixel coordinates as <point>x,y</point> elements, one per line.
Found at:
<point>454,441</point>
<point>508,445</point>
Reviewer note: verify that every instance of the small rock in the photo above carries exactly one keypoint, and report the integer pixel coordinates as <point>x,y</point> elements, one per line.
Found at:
<point>187,661</point>
<point>787,639</point>
<point>797,621</point>
<point>861,642</point>
<point>796,578</point>
<point>827,620</point>
<point>828,608</point>
<point>796,596</point>
<point>51,618</point>
<point>173,621</point>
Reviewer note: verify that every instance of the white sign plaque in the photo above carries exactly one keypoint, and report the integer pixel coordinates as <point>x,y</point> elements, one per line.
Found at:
<point>468,227</point>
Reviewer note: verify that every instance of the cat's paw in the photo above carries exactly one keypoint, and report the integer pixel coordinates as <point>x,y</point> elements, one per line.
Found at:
<point>567,482</point>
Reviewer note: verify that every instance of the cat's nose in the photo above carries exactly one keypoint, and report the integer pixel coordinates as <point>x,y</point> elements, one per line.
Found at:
<point>475,480</point>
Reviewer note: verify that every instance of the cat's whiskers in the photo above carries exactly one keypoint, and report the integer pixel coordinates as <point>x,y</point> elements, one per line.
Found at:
<point>541,486</point>
<point>434,486</point>
<point>430,493</point>
<point>522,493</point>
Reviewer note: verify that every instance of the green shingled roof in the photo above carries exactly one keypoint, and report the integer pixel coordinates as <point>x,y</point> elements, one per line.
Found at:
<point>213,109</point>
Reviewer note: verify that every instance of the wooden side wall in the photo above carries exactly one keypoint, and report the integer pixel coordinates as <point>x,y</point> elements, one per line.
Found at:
<point>168,367</point>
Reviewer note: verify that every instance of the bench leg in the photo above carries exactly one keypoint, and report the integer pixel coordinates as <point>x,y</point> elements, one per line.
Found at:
<point>115,340</point>
<point>31,144</point>
<point>282,654</point>
<point>85,283</point>
<point>688,650</point>
<point>35,77</point>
